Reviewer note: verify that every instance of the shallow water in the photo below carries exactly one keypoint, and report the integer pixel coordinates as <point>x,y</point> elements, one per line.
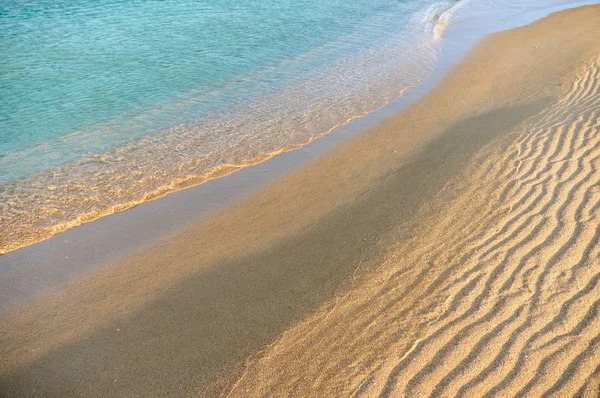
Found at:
<point>79,77</point>
<point>106,104</point>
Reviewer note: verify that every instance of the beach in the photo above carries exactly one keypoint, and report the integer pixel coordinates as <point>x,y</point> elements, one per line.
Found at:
<point>450,250</point>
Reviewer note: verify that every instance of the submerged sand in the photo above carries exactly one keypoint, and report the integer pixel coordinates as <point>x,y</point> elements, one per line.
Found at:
<point>451,251</point>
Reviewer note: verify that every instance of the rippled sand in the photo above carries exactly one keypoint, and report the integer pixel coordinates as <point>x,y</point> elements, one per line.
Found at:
<point>452,251</point>
<point>499,296</point>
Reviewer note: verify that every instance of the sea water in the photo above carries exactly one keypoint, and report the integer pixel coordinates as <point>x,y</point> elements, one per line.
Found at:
<point>105,104</point>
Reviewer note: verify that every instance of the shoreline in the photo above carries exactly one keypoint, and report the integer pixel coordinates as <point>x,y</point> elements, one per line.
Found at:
<point>21,236</point>
<point>209,145</point>
<point>191,314</point>
<point>125,232</point>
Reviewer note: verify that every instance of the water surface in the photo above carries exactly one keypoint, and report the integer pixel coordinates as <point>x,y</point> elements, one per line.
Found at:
<point>105,104</point>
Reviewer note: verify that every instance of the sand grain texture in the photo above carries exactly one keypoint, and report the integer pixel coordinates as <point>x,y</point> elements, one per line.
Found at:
<point>450,251</point>
<point>498,296</point>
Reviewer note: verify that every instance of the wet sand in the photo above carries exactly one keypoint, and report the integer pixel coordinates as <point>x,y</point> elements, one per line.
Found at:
<point>451,250</point>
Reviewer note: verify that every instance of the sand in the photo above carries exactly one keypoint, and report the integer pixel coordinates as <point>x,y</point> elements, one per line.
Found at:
<point>451,250</point>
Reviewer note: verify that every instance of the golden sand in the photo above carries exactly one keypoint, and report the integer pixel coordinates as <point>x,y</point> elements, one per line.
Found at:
<point>451,251</point>
<point>497,295</point>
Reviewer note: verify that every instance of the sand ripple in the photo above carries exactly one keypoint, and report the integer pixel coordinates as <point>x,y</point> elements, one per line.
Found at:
<point>498,296</point>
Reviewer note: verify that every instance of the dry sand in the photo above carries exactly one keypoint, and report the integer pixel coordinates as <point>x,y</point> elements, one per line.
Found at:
<point>452,250</point>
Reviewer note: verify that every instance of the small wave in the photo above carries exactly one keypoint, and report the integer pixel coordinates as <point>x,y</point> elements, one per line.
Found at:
<point>438,16</point>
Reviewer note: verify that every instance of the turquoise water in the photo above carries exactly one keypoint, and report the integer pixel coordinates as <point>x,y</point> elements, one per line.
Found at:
<point>73,66</point>
<point>105,104</point>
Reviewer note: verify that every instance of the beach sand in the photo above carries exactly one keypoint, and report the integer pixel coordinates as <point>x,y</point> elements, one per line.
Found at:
<point>451,250</point>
